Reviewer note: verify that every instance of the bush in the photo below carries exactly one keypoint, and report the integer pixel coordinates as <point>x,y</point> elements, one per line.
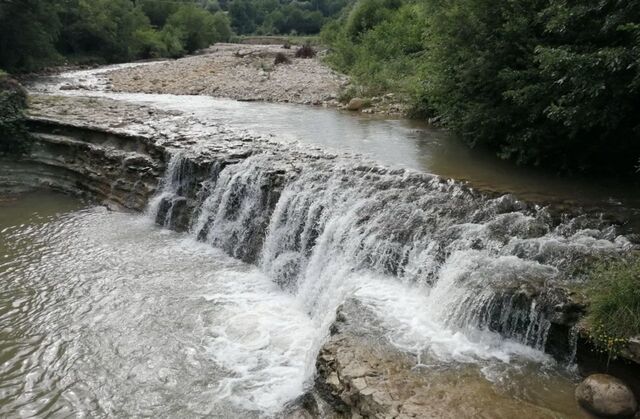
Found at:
<point>172,39</point>
<point>13,101</point>
<point>305,51</point>
<point>281,59</point>
<point>387,56</point>
<point>28,31</point>
<point>198,28</point>
<point>367,14</point>
<point>149,44</point>
<point>550,83</point>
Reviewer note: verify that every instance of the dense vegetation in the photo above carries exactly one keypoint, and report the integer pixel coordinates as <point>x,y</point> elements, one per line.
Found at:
<point>13,101</point>
<point>272,17</point>
<point>545,82</point>
<point>36,33</point>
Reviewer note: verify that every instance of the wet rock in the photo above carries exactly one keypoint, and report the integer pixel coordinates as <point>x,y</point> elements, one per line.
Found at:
<point>607,396</point>
<point>361,374</point>
<point>355,104</point>
<point>632,350</point>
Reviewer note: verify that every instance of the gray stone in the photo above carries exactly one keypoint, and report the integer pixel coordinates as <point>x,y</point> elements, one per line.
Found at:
<point>355,104</point>
<point>605,395</point>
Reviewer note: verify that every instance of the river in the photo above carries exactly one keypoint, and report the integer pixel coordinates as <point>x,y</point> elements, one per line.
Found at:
<point>106,314</point>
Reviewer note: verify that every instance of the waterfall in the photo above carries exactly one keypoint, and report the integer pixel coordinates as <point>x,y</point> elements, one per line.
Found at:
<point>319,226</point>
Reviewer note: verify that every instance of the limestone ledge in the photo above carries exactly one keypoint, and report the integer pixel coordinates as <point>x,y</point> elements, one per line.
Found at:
<point>361,374</point>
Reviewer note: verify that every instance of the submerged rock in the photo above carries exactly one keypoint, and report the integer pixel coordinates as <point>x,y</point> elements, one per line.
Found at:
<point>604,395</point>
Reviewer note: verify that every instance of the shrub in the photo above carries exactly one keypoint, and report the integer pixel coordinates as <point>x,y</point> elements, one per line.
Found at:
<point>28,30</point>
<point>149,44</point>
<point>305,51</point>
<point>551,83</point>
<point>172,39</point>
<point>197,27</point>
<point>13,101</point>
<point>222,26</point>
<point>367,14</point>
<point>387,56</point>
<point>281,59</point>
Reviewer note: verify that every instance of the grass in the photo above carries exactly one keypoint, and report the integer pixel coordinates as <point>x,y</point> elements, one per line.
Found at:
<point>614,304</point>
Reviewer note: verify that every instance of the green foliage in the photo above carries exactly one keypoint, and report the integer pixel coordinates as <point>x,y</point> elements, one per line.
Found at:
<point>149,43</point>
<point>198,28</point>
<point>172,39</point>
<point>614,296</point>
<point>28,30</point>
<point>605,342</point>
<point>35,33</point>
<point>367,14</point>
<point>614,305</point>
<point>272,17</point>
<point>381,46</point>
<point>551,83</point>
<point>106,28</point>
<point>158,11</point>
<point>13,101</point>
<point>544,82</point>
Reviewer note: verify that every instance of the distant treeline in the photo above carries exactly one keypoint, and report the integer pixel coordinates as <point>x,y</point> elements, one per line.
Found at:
<point>280,17</point>
<point>38,33</point>
<point>552,83</point>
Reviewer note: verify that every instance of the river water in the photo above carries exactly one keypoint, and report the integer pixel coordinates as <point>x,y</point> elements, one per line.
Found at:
<point>105,314</point>
<point>392,141</point>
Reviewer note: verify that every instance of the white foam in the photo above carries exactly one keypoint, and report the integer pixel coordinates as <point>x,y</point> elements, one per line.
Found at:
<point>262,339</point>
<point>407,314</point>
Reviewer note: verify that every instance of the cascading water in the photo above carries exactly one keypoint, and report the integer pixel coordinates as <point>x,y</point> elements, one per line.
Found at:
<point>331,227</point>
<point>108,315</point>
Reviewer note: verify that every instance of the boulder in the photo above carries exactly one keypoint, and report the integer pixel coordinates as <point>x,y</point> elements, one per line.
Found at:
<point>355,104</point>
<point>604,395</point>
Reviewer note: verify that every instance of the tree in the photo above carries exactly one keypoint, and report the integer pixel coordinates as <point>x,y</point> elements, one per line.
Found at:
<point>198,28</point>
<point>28,31</point>
<point>544,82</point>
<point>243,15</point>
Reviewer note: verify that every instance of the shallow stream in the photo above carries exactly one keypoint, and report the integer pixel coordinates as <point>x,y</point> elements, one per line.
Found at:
<point>106,314</point>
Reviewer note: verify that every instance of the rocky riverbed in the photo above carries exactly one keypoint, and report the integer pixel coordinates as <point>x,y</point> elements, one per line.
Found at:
<point>250,73</point>
<point>241,72</point>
